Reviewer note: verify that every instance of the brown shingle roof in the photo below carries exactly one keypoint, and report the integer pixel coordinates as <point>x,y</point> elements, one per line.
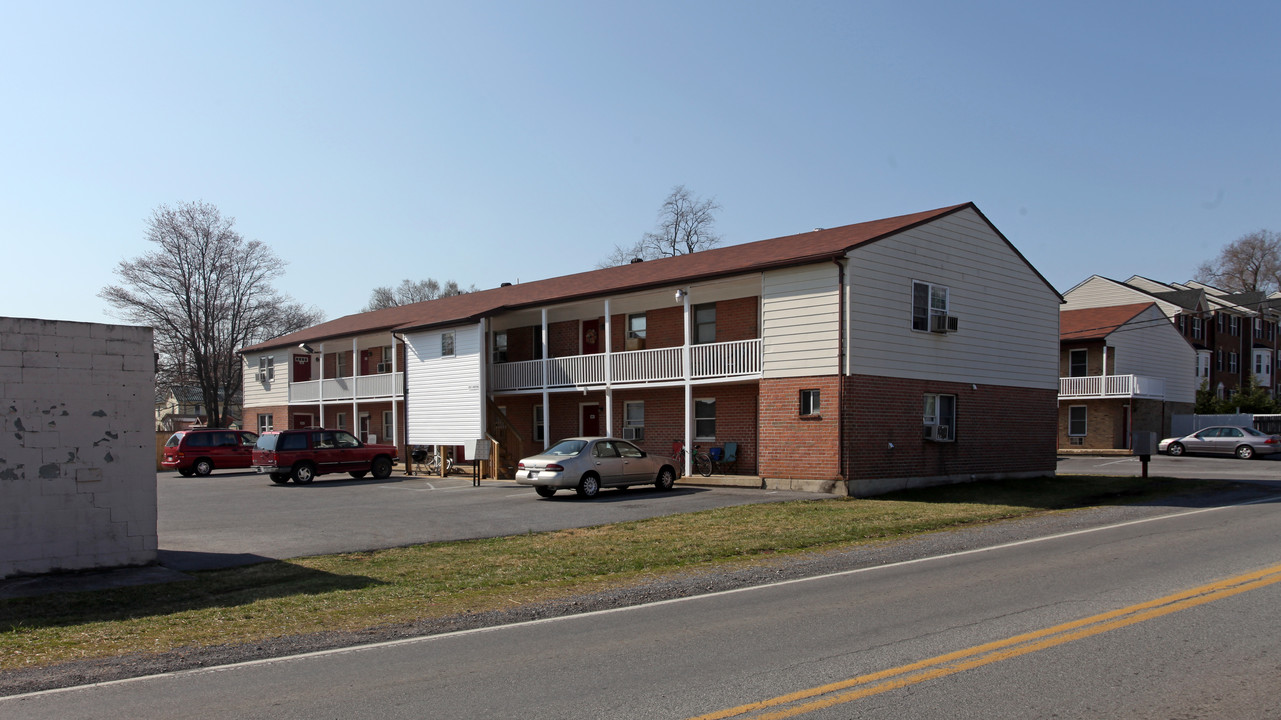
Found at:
<point>804,248</point>
<point>1097,323</point>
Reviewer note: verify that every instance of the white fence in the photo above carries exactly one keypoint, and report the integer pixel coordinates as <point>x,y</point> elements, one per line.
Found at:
<point>1109,386</point>
<point>728,359</point>
<point>367,387</point>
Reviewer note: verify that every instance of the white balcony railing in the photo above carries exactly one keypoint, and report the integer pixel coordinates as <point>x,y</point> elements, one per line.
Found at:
<point>367,387</point>
<point>1111,386</point>
<point>729,359</point>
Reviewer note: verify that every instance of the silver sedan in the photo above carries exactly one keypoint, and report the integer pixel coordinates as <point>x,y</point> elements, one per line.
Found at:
<point>587,464</point>
<point>1244,442</point>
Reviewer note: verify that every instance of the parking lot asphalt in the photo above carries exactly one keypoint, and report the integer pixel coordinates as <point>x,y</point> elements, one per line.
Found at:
<point>237,518</point>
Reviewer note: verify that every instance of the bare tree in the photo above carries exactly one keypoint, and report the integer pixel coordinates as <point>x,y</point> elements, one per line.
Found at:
<point>411,292</point>
<point>1250,263</point>
<point>685,225</point>
<point>206,292</point>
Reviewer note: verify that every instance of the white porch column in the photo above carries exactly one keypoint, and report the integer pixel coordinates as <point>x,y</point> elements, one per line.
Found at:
<point>320,392</point>
<point>355,404</point>
<point>609,388</point>
<point>395,416</point>
<point>547,411</point>
<point>689,391</point>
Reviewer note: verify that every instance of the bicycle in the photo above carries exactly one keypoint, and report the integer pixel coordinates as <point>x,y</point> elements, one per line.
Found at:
<point>703,463</point>
<point>429,462</point>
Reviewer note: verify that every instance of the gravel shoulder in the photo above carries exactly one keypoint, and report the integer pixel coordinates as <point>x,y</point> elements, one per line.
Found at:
<point>760,572</point>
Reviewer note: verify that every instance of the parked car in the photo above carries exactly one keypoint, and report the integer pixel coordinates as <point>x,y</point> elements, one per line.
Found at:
<point>587,464</point>
<point>303,455</point>
<point>200,451</point>
<point>1244,442</point>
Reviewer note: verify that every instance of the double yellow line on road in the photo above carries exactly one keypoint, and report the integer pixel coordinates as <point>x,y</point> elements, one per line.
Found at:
<point>825,696</point>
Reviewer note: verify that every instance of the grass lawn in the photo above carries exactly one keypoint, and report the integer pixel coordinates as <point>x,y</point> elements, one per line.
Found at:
<point>355,591</point>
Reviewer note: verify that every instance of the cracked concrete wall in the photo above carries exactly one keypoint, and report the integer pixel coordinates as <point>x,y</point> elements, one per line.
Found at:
<point>77,448</point>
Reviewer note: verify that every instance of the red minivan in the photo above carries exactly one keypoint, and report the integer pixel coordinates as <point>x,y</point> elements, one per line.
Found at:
<point>200,451</point>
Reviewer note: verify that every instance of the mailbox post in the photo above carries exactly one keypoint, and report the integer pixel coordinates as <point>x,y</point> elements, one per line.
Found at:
<point>1143,444</point>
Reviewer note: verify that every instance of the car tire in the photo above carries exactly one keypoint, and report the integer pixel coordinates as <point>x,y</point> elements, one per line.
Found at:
<point>202,467</point>
<point>1245,452</point>
<point>357,474</point>
<point>186,472</point>
<point>666,479</point>
<point>1175,449</point>
<point>280,478</point>
<point>588,487</point>
<point>381,468</point>
<point>303,473</point>
<point>544,490</point>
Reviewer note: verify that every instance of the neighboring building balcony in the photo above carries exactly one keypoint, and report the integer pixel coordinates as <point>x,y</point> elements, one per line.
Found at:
<point>382,386</point>
<point>726,360</point>
<point>1111,386</point>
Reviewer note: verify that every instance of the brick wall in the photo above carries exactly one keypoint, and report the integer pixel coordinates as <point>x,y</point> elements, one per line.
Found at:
<point>1105,423</point>
<point>77,473</point>
<point>796,446</point>
<point>1000,432</point>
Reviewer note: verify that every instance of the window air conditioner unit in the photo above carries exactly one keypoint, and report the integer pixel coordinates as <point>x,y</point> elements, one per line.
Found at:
<point>943,324</point>
<point>633,433</point>
<point>938,433</point>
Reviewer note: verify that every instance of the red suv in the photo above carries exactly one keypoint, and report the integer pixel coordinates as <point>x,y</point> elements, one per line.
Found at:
<point>304,454</point>
<point>203,450</point>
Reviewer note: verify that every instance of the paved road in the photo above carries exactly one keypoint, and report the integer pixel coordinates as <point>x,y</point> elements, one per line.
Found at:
<point>239,518</point>
<point>1147,619</point>
<point>1264,469</point>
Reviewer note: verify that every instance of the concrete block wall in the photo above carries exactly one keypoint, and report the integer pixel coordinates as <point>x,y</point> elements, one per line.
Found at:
<point>77,439</point>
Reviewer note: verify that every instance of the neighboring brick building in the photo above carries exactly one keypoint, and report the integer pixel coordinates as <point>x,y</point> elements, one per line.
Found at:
<point>914,350</point>
<point>1123,369</point>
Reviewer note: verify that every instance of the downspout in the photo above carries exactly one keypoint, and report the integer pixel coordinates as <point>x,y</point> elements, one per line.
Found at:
<point>842,467</point>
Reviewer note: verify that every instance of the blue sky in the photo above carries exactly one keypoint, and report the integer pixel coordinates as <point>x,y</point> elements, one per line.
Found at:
<point>513,141</point>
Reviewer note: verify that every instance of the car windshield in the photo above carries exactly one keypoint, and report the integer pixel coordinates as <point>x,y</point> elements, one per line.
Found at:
<point>565,448</point>
<point>267,442</point>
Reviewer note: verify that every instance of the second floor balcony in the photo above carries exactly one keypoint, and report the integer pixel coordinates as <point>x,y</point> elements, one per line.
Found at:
<point>1095,387</point>
<point>359,387</point>
<point>740,358</point>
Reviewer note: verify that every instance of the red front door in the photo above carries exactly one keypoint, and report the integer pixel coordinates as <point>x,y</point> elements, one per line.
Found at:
<point>592,342</point>
<point>591,420</point>
<point>302,368</point>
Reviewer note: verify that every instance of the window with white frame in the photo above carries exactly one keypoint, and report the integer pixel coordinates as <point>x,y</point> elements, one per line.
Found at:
<point>1182,324</point>
<point>447,344</point>
<point>539,435</point>
<point>385,365</point>
<point>1218,360</point>
<point>1258,327</point>
<point>265,423</point>
<point>387,425</point>
<point>1196,328</point>
<point>939,417</point>
<point>636,327</point>
<point>500,346</point>
<point>1234,323</point>
<point>266,367</point>
<point>341,422</point>
<point>634,420</point>
<point>810,403</point>
<point>1232,362</point>
<point>705,419</point>
<point>1218,318</point>
<point>928,300</point>
<point>1077,416</point>
<point>1078,363</point>
<point>342,364</point>
<point>704,327</point>
<point>1203,365</point>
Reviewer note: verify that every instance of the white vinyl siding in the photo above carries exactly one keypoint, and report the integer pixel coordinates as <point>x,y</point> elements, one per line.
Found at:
<point>1145,346</point>
<point>445,393</point>
<point>1008,317</point>
<point>800,319</point>
<point>272,392</point>
<point>1101,292</point>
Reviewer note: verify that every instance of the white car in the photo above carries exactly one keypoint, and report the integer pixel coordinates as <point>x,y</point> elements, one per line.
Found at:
<point>587,464</point>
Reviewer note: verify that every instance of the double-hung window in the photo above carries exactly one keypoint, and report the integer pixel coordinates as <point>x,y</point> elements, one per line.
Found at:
<point>704,327</point>
<point>928,301</point>
<point>265,423</point>
<point>447,340</point>
<point>705,419</point>
<point>1078,363</point>
<point>939,417</point>
<point>634,420</point>
<point>1077,415</point>
<point>266,367</point>
<point>539,434</point>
